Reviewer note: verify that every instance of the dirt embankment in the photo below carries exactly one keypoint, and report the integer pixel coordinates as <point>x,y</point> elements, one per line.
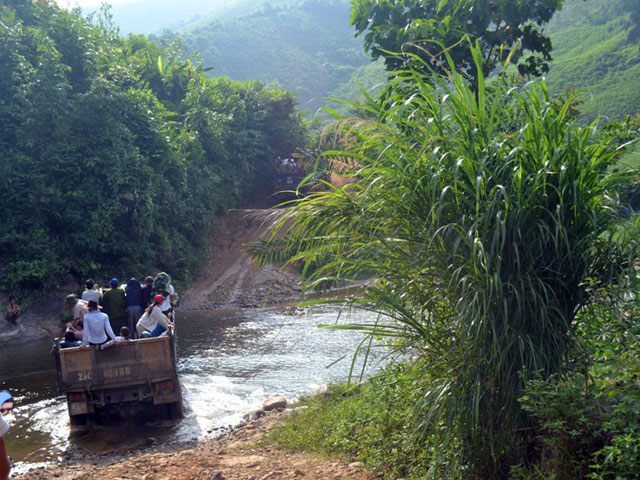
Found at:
<point>231,279</point>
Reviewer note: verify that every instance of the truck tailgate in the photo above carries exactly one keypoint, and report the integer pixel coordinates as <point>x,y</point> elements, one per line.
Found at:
<point>133,363</point>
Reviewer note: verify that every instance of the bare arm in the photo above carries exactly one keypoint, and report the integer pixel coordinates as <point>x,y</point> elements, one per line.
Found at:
<point>108,329</point>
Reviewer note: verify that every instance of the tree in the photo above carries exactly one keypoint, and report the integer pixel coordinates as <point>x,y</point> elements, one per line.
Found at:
<point>423,27</point>
<point>117,153</point>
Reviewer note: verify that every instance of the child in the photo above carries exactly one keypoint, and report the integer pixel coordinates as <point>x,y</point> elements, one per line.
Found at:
<point>122,338</point>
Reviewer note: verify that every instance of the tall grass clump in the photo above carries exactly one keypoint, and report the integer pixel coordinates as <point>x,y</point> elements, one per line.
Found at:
<point>483,219</point>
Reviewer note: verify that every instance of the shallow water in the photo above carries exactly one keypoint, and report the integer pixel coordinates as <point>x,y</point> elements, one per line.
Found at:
<point>228,361</point>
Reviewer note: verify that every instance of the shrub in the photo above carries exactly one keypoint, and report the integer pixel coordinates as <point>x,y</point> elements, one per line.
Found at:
<point>587,424</point>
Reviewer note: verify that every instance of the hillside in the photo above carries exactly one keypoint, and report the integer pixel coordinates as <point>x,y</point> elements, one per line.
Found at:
<point>308,48</point>
<point>596,49</point>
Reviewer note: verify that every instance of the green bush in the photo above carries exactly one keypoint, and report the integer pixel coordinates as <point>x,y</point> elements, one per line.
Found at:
<point>118,153</point>
<point>587,424</point>
<point>481,216</point>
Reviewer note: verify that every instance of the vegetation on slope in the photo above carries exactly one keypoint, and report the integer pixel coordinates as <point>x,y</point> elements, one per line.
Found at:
<point>585,424</point>
<point>117,154</point>
<point>484,223</point>
<point>596,49</point>
<point>307,47</point>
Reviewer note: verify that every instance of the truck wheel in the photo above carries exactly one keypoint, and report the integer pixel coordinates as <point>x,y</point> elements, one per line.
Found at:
<point>174,410</point>
<point>77,420</point>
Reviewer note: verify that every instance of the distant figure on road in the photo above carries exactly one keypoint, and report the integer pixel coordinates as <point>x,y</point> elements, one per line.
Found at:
<point>96,326</point>
<point>113,301</point>
<point>13,311</point>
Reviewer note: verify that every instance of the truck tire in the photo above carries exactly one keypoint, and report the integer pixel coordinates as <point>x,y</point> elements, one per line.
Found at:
<point>77,420</point>
<point>174,410</point>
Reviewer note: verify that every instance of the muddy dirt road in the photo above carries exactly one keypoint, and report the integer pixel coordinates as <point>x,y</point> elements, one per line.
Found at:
<point>231,278</point>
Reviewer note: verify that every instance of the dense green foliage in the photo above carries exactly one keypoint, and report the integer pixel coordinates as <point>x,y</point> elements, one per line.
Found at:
<point>117,154</point>
<point>421,28</point>
<point>306,46</point>
<point>482,222</point>
<point>373,424</point>
<point>587,423</point>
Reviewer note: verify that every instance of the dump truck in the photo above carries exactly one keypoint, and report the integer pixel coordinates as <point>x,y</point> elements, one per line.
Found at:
<point>136,379</point>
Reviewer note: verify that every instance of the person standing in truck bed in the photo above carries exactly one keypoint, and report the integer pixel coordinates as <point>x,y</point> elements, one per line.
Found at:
<point>91,292</point>
<point>133,297</point>
<point>113,301</point>
<point>96,326</point>
<point>146,297</point>
<point>77,307</point>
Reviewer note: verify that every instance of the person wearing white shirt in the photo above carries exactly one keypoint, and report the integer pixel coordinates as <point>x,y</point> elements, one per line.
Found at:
<point>91,293</point>
<point>166,302</point>
<point>96,326</point>
<point>153,322</point>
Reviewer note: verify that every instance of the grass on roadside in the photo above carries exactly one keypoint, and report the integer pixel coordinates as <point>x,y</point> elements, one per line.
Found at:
<point>371,423</point>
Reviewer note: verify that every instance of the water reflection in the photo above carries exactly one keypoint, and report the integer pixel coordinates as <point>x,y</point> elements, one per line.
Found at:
<point>229,361</point>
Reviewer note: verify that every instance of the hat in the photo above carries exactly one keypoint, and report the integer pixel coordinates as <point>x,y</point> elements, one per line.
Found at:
<point>5,397</point>
<point>71,298</point>
<point>158,298</point>
<point>114,282</point>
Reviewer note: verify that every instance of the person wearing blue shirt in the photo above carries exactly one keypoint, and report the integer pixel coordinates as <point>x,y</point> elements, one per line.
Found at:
<point>96,326</point>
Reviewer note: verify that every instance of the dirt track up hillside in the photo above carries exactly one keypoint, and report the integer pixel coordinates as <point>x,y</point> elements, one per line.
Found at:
<point>231,278</point>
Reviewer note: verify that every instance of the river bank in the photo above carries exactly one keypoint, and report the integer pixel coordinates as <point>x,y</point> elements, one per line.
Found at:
<point>235,455</point>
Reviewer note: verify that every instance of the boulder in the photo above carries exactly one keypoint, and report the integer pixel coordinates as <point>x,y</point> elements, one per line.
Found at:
<point>274,403</point>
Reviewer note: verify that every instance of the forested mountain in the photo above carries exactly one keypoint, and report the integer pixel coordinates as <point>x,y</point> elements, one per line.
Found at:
<point>116,154</point>
<point>596,49</point>
<point>306,46</point>
<point>309,47</point>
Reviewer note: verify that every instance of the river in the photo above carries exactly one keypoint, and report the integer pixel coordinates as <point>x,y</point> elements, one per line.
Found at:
<point>229,362</point>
